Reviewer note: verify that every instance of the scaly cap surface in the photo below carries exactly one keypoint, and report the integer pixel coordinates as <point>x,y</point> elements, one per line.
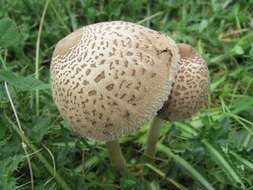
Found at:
<point>190,91</point>
<point>109,78</point>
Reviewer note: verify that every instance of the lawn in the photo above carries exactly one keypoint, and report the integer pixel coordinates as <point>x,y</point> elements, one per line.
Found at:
<point>212,150</point>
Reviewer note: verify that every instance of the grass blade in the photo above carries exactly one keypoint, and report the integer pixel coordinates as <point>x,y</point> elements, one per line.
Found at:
<point>162,174</point>
<point>223,162</point>
<point>47,165</point>
<point>242,160</point>
<point>186,166</point>
<point>37,55</point>
<point>150,17</point>
<point>187,129</point>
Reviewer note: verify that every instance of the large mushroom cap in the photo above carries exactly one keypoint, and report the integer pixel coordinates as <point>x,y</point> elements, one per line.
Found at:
<point>190,91</point>
<point>109,78</point>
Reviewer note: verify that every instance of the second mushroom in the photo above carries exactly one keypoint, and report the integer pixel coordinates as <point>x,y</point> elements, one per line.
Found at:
<point>188,95</point>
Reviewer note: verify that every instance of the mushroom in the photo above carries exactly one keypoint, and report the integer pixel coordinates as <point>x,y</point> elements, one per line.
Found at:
<point>109,78</point>
<point>189,94</point>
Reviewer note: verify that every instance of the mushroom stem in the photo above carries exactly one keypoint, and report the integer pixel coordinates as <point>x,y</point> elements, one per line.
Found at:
<point>153,137</point>
<point>116,157</point>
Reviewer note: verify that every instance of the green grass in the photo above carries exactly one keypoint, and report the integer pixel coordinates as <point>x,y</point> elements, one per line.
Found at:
<point>213,150</point>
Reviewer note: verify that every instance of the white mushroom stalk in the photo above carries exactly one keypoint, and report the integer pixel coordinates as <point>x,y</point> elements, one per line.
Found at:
<point>109,78</point>
<point>189,94</point>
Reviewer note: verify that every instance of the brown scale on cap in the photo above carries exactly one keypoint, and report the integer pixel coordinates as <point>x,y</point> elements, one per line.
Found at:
<point>108,78</point>
<point>191,88</point>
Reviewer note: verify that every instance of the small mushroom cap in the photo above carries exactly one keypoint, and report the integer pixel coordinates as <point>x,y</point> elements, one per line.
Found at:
<point>109,78</point>
<point>190,91</point>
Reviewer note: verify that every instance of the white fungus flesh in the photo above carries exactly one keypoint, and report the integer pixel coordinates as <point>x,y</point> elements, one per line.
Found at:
<point>108,78</point>
<point>191,88</point>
